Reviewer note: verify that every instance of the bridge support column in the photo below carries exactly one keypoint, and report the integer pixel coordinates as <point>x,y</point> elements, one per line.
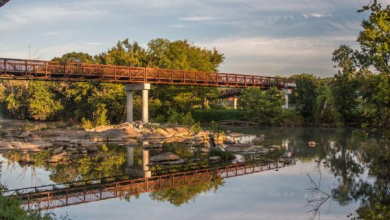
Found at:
<point>235,100</point>
<point>129,106</point>
<point>130,156</point>
<point>130,88</point>
<point>286,101</point>
<point>145,163</point>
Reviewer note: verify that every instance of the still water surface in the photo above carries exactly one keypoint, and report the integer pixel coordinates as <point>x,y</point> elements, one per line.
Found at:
<point>281,194</point>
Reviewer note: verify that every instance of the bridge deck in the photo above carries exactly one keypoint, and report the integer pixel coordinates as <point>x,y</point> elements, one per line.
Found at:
<point>59,71</point>
<point>56,196</point>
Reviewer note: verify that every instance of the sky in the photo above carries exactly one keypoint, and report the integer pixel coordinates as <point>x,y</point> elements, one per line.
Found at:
<point>261,37</point>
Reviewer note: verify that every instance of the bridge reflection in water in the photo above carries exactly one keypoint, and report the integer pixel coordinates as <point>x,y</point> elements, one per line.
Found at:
<point>61,195</point>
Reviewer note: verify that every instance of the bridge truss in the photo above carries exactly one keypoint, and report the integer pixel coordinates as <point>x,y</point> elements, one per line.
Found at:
<point>60,71</point>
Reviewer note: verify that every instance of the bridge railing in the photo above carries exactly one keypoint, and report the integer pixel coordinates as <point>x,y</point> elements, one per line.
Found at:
<point>61,71</point>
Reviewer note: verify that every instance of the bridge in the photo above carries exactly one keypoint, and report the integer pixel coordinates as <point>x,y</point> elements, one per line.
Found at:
<point>61,195</point>
<point>134,78</point>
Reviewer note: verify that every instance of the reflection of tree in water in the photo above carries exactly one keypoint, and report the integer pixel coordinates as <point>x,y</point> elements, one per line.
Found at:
<point>180,195</point>
<point>349,164</point>
<point>109,161</point>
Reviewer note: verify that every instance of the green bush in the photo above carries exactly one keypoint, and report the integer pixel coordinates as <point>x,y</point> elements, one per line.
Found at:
<point>181,118</point>
<point>218,115</point>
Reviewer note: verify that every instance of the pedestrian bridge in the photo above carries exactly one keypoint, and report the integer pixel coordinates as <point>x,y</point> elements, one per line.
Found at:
<point>61,71</point>
<point>136,78</point>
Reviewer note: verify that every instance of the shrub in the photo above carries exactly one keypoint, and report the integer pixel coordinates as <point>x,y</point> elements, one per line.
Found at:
<point>218,115</point>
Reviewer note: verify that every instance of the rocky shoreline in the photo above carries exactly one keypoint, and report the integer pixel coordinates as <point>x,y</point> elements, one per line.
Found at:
<point>67,143</point>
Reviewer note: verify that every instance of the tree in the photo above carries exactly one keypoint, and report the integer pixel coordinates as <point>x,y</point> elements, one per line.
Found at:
<point>263,107</point>
<point>305,94</point>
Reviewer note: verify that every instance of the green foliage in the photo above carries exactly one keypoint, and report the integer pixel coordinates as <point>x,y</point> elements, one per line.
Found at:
<point>263,107</point>
<point>305,94</point>
<point>87,124</point>
<point>325,111</point>
<point>10,209</point>
<point>104,103</point>
<point>181,118</point>
<point>217,115</point>
<point>100,115</point>
<point>196,128</point>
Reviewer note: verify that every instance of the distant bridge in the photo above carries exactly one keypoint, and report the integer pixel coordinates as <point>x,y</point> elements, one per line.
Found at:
<point>62,195</point>
<point>61,71</point>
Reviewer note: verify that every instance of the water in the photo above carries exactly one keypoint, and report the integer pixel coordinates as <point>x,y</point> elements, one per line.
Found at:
<point>333,164</point>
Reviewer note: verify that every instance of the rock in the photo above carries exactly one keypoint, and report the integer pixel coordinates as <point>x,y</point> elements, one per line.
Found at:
<point>132,132</point>
<point>275,146</point>
<point>91,148</point>
<point>103,128</point>
<point>163,132</point>
<point>175,162</point>
<point>57,158</point>
<point>154,136</point>
<point>215,159</point>
<point>25,134</point>
<point>182,131</point>
<point>58,150</point>
<point>312,143</point>
<point>168,156</point>
<point>240,148</point>
<point>61,140</point>
<point>171,132</point>
<point>5,145</point>
<point>204,149</point>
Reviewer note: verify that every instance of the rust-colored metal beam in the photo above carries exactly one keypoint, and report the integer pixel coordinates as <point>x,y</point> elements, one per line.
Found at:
<point>19,69</point>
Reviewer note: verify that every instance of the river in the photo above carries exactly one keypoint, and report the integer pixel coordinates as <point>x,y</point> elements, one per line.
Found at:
<point>285,192</point>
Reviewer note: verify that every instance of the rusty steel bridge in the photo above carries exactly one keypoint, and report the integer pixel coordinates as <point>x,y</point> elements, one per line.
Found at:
<point>61,195</point>
<point>20,69</point>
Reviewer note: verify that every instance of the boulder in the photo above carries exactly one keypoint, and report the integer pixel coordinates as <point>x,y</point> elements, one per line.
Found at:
<point>57,158</point>
<point>215,159</point>
<point>25,134</point>
<point>171,132</point>
<point>240,148</point>
<point>168,156</point>
<point>5,145</point>
<point>103,128</point>
<point>175,162</point>
<point>204,149</point>
<point>61,140</point>
<point>91,148</point>
<point>132,132</point>
<point>58,150</point>
<point>182,131</point>
<point>163,132</point>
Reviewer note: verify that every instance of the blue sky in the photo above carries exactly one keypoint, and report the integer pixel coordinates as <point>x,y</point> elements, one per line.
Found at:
<point>263,37</point>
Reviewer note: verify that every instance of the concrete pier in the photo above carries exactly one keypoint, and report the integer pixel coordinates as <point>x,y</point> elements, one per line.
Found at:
<point>130,156</point>
<point>235,100</point>
<point>130,88</point>
<point>129,105</point>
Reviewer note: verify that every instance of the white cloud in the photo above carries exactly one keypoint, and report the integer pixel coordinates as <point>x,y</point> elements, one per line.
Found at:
<point>53,33</point>
<point>206,18</point>
<point>316,15</point>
